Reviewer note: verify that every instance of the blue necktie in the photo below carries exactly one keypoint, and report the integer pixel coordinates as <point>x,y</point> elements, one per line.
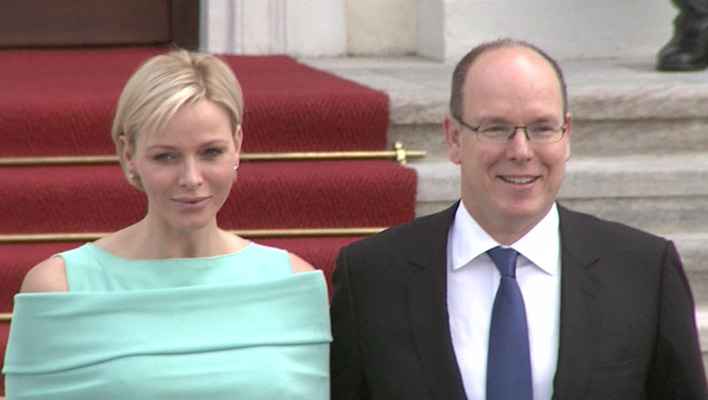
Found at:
<point>508,360</point>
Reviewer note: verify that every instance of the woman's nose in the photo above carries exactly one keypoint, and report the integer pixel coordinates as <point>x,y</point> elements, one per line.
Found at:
<point>190,176</point>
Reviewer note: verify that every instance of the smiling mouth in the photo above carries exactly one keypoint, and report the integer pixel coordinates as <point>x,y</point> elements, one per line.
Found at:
<point>519,180</point>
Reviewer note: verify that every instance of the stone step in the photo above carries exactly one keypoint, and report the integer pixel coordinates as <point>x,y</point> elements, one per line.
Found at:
<point>660,193</point>
<point>652,200</point>
<point>694,252</point>
<point>614,89</point>
<point>609,137</point>
<point>694,256</point>
<point>663,195</point>
<point>619,107</point>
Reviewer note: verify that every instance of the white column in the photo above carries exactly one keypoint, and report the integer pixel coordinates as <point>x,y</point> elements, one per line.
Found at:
<point>293,27</point>
<point>381,27</point>
<point>431,29</point>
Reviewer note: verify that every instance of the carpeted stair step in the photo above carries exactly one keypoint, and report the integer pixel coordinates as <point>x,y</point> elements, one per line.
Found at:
<point>61,102</point>
<point>284,195</point>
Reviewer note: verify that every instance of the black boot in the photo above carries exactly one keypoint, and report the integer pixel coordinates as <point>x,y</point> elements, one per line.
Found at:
<point>688,48</point>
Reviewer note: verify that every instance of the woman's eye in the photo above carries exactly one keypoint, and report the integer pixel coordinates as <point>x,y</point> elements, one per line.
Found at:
<point>164,157</point>
<point>211,153</point>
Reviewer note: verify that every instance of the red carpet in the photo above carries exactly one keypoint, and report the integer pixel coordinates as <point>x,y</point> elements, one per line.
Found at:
<point>61,103</point>
<point>323,194</point>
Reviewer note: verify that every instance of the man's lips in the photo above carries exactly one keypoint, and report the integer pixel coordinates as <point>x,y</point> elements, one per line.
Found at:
<point>518,180</point>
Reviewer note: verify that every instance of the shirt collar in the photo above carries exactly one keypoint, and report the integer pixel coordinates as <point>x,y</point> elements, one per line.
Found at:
<point>541,245</point>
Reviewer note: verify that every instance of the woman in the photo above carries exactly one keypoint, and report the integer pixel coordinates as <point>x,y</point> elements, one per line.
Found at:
<point>173,307</point>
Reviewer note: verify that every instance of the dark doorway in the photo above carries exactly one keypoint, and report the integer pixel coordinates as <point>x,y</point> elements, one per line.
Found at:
<point>94,23</point>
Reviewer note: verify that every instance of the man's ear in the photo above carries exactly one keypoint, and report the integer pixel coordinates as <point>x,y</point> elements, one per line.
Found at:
<point>568,129</point>
<point>452,132</point>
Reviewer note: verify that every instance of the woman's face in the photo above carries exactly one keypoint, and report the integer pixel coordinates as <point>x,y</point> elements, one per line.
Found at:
<point>187,168</point>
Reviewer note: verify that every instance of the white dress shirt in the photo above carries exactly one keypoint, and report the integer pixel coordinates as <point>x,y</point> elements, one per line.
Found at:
<point>472,281</point>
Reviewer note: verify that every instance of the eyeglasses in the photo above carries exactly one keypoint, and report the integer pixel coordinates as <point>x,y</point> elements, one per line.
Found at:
<point>540,133</point>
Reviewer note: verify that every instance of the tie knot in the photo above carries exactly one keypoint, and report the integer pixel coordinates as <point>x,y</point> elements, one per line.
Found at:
<point>504,259</point>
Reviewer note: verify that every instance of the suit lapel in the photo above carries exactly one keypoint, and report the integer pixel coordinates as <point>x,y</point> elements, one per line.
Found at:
<point>427,301</point>
<point>427,287</point>
<point>580,312</point>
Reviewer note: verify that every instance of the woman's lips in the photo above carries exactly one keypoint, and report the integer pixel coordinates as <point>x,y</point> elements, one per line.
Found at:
<point>191,203</point>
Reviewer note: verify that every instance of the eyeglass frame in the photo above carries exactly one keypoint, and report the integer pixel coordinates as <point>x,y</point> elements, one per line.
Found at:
<point>562,128</point>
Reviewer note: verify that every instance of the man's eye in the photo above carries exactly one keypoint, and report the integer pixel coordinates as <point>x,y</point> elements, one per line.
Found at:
<point>494,130</point>
<point>541,130</point>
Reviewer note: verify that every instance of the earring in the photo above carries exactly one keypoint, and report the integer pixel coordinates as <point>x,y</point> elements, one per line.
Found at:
<point>132,176</point>
<point>236,167</point>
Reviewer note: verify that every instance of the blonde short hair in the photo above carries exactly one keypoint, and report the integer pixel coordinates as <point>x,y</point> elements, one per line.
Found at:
<point>164,84</point>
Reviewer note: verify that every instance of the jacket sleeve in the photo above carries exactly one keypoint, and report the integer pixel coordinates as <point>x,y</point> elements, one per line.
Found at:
<point>347,375</point>
<point>677,370</point>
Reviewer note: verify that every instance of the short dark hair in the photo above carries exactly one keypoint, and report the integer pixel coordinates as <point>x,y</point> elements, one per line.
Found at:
<point>458,76</point>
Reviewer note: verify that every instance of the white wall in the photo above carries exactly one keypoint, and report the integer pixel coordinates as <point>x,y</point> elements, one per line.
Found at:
<point>567,29</point>
<point>430,32</point>
<point>443,30</point>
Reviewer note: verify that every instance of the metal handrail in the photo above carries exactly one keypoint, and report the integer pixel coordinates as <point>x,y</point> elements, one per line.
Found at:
<point>399,153</point>
<point>248,233</point>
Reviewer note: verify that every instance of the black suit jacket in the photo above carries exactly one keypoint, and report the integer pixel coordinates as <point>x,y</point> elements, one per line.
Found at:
<point>627,316</point>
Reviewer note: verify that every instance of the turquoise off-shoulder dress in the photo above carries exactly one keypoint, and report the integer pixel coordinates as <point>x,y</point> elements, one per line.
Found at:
<point>239,326</point>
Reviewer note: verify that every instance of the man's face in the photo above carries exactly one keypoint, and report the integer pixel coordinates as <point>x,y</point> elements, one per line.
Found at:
<point>508,187</point>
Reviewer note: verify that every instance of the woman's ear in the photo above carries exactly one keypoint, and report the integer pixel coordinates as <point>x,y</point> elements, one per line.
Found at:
<point>238,139</point>
<point>127,153</point>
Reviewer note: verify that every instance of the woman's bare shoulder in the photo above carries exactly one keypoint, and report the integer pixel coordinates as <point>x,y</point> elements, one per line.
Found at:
<point>47,276</point>
<point>299,265</point>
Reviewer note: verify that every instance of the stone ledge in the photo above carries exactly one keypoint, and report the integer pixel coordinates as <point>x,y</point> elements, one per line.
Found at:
<point>639,176</point>
<point>677,174</point>
<point>598,89</point>
<point>671,100</point>
<point>702,322</point>
<point>693,251</point>
<point>589,139</point>
<point>665,195</point>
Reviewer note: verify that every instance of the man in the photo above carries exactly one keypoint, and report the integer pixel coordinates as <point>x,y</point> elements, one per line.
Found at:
<point>688,48</point>
<point>608,310</point>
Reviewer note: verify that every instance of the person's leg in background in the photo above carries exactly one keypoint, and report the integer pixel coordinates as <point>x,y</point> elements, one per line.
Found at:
<point>688,48</point>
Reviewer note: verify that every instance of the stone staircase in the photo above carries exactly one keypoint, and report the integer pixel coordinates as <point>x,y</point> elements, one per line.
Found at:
<point>639,145</point>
